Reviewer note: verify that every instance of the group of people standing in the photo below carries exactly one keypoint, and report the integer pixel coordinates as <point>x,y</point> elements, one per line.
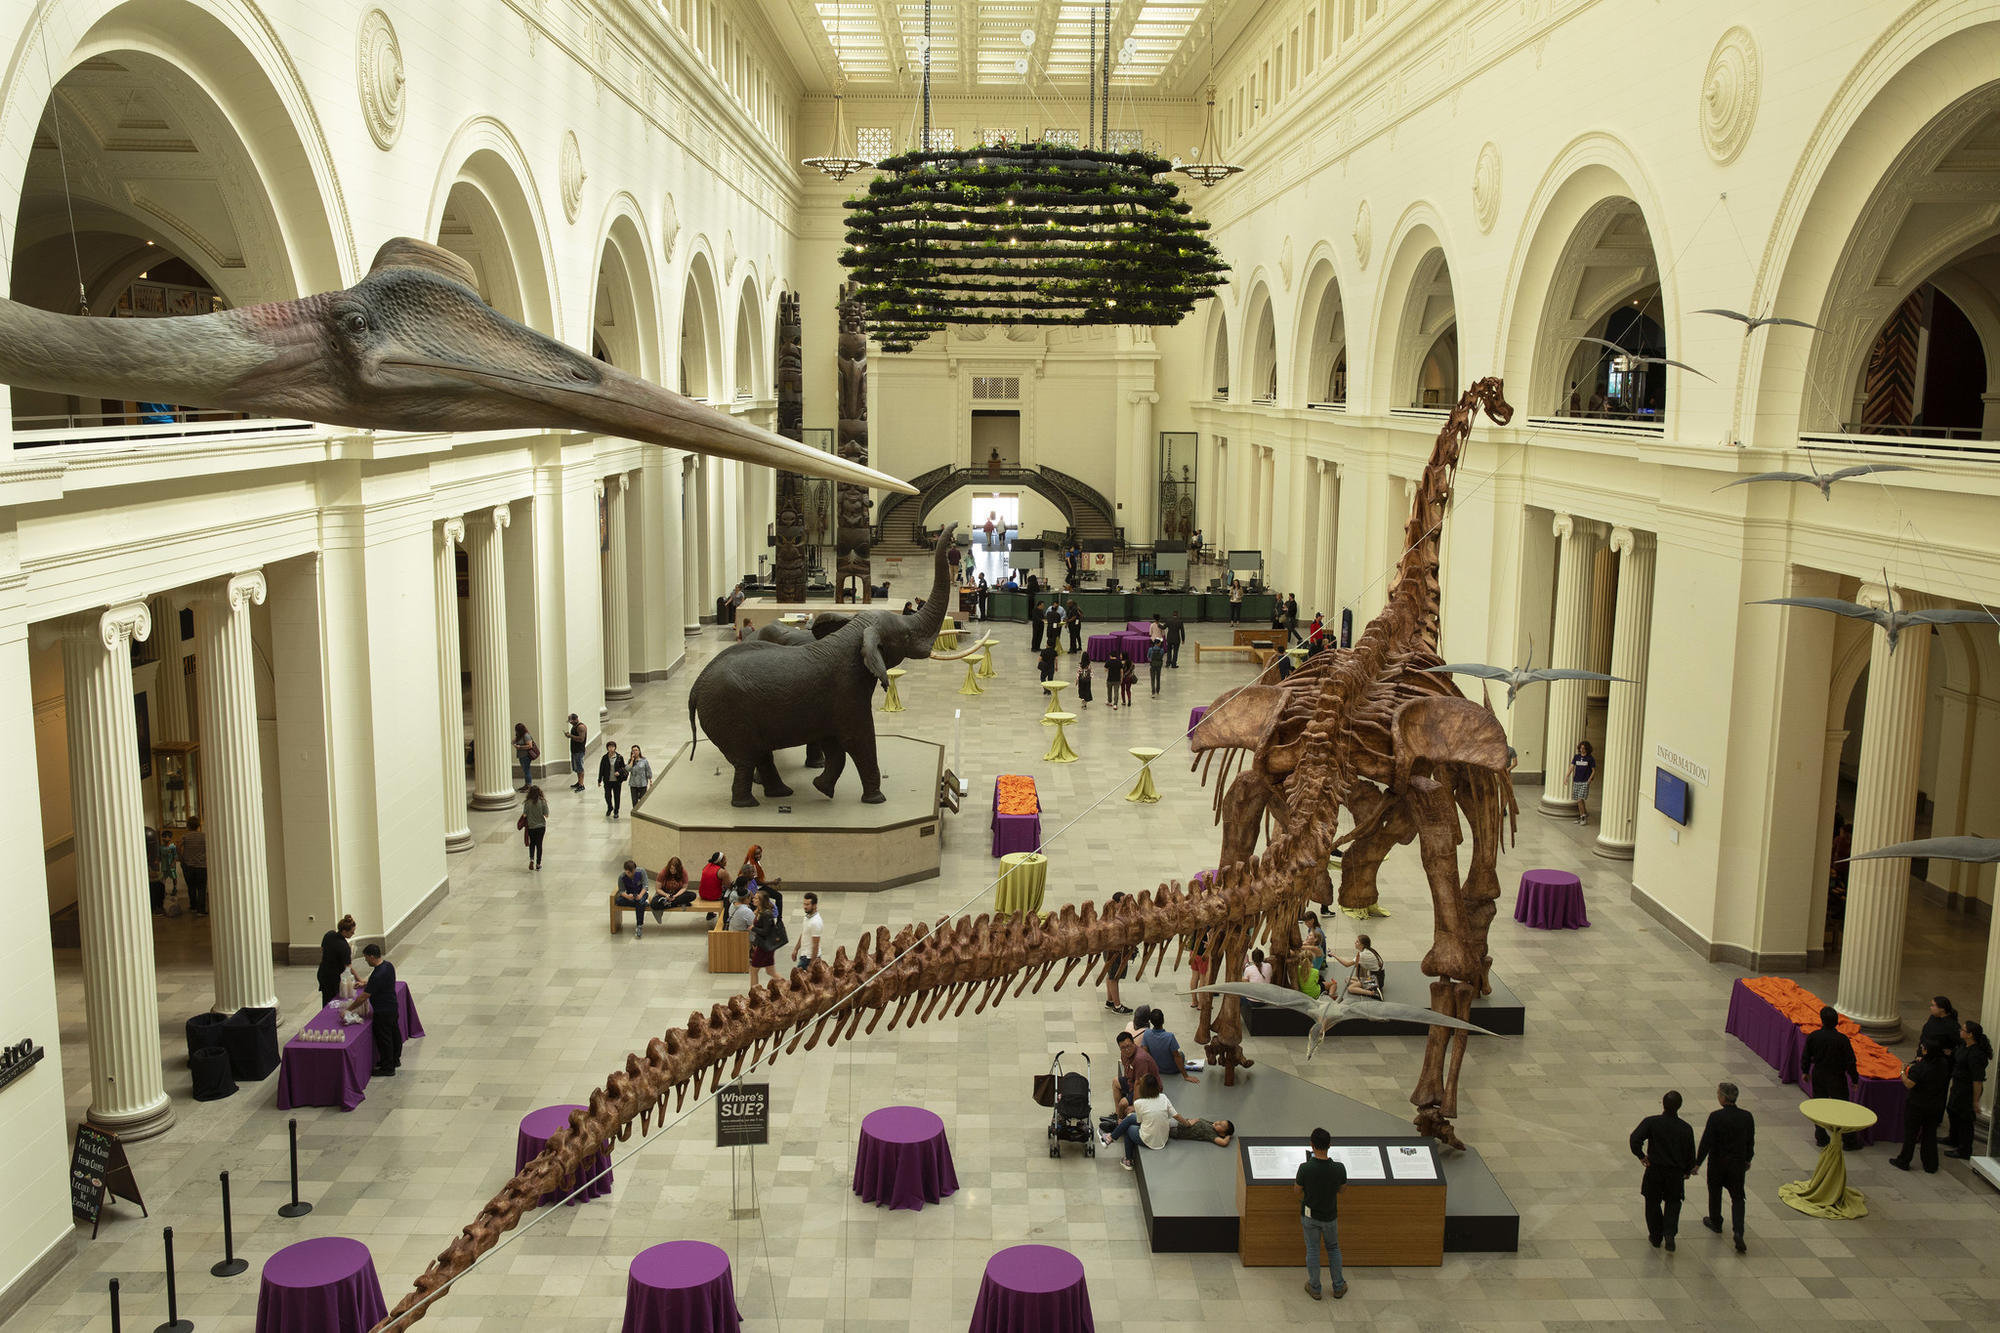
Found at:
<point>617,768</point>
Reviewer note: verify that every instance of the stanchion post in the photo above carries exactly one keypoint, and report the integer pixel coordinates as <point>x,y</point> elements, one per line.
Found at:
<point>116,1325</point>
<point>230,1265</point>
<point>295,1208</point>
<point>174,1324</point>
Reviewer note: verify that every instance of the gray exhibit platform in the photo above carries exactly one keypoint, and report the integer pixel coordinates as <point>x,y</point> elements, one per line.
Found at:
<point>1501,1012</point>
<point>1188,1190</point>
<point>809,841</point>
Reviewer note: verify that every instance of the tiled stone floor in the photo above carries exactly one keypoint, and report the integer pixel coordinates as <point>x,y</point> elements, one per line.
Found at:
<point>529,1001</point>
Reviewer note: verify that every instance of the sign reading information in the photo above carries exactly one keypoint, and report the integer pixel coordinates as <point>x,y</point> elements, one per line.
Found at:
<point>743,1115</point>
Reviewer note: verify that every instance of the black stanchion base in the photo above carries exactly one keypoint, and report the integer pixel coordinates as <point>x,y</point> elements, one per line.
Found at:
<point>295,1210</point>
<point>229,1268</point>
<point>178,1326</point>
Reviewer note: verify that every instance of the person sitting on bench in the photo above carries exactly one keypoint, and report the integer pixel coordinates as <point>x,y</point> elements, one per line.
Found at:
<point>632,893</point>
<point>672,891</point>
<point>1368,976</point>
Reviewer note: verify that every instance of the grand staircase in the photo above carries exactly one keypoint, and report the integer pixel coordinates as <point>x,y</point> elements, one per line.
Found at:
<point>902,526</point>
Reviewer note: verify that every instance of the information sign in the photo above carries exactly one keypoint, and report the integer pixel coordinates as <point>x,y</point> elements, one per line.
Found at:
<point>99,1170</point>
<point>743,1115</point>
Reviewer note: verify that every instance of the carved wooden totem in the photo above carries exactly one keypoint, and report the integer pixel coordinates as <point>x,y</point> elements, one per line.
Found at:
<point>791,554</point>
<point>852,536</point>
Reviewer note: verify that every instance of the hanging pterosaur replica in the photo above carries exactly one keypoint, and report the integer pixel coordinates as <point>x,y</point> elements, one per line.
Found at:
<point>1398,748</point>
<point>412,346</point>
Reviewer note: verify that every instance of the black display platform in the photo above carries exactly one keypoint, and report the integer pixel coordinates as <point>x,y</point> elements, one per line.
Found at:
<point>1501,1012</point>
<point>1187,1191</point>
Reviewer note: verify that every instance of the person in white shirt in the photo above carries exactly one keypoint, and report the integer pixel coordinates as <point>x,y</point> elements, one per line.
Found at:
<point>1367,964</point>
<point>1154,1121</point>
<point>810,934</point>
<point>1256,967</point>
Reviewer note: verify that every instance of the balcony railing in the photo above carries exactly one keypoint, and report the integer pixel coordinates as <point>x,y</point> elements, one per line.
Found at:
<point>97,429</point>
<point>1648,426</point>
<point>1939,446</point>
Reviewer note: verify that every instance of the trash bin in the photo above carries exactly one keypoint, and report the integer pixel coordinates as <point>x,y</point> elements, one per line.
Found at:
<point>204,1031</point>
<point>211,1074</point>
<point>250,1036</point>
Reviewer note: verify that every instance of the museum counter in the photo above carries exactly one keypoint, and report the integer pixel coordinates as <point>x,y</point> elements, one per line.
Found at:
<point>1194,607</point>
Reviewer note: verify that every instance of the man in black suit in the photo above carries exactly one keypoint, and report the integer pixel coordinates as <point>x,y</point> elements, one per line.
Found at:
<point>1728,1142</point>
<point>1827,1065</point>
<point>380,988</point>
<point>1665,1144</point>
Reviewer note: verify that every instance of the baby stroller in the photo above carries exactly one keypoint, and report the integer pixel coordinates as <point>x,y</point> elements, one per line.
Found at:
<point>1068,1098</point>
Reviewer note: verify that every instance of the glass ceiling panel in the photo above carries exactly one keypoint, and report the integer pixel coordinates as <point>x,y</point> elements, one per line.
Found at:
<point>982,43</point>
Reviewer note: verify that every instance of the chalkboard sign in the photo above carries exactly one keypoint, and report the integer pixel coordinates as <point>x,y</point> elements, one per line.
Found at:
<point>743,1115</point>
<point>98,1170</point>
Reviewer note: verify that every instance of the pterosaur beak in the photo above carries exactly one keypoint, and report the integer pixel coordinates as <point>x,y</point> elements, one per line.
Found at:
<point>632,408</point>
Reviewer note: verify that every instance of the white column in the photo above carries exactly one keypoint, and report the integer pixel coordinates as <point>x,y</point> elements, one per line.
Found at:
<point>617,607</point>
<point>1142,506</point>
<point>1267,523</point>
<point>1572,628</point>
<point>121,1011</point>
<point>1885,807</point>
<point>1631,638</point>
<point>1604,574</point>
<point>690,500</point>
<point>451,687</point>
<point>1326,599</point>
<point>170,702</point>
<point>492,738</point>
<point>1822,871</point>
<point>233,795</point>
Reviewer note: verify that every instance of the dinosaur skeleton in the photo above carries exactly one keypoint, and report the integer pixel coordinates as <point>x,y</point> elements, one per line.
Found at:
<point>1398,748</point>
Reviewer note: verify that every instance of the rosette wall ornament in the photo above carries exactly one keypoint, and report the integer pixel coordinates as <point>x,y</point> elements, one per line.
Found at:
<point>1041,233</point>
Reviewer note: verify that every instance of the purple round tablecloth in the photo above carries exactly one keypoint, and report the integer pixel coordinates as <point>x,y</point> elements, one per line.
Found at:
<point>682,1286</point>
<point>903,1159</point>
<point>1139,627</point>
<point>337,1073</point>
<point>326,1285</point>
<point>1100,647</point>
<point>1550,900</point>
<point>537,1128</point>
<point>1033,1289</point>
<point>1195,715</point>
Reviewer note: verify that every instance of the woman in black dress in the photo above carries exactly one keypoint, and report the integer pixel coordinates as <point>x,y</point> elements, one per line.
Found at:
<point>1968,1085</point>
<point>336,955</point>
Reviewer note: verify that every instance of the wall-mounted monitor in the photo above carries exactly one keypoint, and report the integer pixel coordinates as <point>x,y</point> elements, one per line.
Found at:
<point>1670,795</point>
<point>1170,562</point>
<point>1251,561</point>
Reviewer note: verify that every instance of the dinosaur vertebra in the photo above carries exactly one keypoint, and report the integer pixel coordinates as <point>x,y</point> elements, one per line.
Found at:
<point>1429,751</point>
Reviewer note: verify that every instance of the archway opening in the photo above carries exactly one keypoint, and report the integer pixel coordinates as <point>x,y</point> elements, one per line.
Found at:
<point>1601,343</point>
<point>1426,337</point>
<point>1322,361</point>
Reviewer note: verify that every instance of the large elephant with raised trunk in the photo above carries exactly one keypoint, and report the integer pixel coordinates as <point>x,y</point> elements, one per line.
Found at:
<point>759,697</point>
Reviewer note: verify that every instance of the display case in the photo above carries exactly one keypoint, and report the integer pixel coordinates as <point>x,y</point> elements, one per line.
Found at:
<point>177,775</point>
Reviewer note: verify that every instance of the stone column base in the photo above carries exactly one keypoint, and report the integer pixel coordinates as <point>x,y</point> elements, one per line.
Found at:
<point>136,1125</point>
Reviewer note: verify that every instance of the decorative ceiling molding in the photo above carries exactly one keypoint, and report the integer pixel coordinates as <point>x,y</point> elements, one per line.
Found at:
<point>1729,93</point>
<point>1486,186</point>
<point>1364,233</point>
<point>378,59</point>
<point>573,175</point>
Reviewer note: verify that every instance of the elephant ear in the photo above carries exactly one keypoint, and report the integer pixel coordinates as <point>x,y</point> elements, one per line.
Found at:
<point>871,653</point>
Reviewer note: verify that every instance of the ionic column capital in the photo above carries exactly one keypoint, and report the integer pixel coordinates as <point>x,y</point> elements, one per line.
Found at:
<point>1563,526</point>
<point>235,590</point>
<point>1625,541</point>
<point>624,480</point>
<point>499,516</point>
<point>451,532</point>
<point>1142,396</point>
<point>115,627</point>
<point>1880,596</point>
<point>597,489</point>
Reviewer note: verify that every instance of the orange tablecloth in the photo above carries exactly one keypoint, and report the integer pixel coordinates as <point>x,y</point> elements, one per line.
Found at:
<point>1016,795</point>
<point>1801,1006</point>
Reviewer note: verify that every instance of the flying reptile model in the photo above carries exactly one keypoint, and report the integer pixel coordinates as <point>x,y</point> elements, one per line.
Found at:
<point>1648,360</point>
<point>1892,621</point>
<point>1523,675</point>
<point>1823,480</point>
<point>1326,1012</point>
<point>412,346</point>
<point>1975,851</point>
<point>1751,323</point>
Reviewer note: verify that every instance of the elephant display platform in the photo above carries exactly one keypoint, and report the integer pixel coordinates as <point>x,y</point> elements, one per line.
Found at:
<point>809,842</point>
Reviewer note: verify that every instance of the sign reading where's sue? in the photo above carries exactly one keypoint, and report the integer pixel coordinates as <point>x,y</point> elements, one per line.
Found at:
<point>743,1115</point>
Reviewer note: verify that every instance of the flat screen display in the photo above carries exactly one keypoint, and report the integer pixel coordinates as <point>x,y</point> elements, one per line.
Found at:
<point>1246,560</point>
<point>1670,795</point>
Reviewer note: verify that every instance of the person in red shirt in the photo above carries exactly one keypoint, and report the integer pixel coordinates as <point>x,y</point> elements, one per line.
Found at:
<point>714,876</point>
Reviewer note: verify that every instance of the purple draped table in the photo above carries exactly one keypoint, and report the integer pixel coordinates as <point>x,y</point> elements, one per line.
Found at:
<point>903,1160</point>
<point>1139,627</point>
<point>326,1285</point>
<point>1015,833</point>
<point>682,1286</point>
<point>1778,1041</point>
<point>1033,1289</point>
<point>1138,647</point>
<point>1550,900</point>
<point>537,1128</point>
<point>313,1073</point>
<point>1195,715</point>
<point>1100,647</point>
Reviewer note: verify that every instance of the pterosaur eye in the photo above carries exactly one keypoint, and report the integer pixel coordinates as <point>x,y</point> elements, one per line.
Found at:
<point>354,323</point>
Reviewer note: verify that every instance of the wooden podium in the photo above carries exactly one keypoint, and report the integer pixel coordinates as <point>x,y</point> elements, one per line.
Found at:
<point>728,950</point>
<point>1391,1209</point>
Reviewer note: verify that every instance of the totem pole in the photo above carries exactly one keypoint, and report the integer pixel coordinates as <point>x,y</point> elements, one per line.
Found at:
<point>852,537</point>
<point>791,557</point>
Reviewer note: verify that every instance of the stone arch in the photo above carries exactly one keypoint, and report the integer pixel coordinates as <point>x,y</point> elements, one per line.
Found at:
<point>1259,372</point>
<point>1319,352</point>
<point>227,166</point>
<point>749,364</point>
<point>1416,314</point>
<point>486,209</point>
<point>1912,95</point>
<point>1218,365</point>
<point>699,356</point>
<point>1590,245</point>
<point>625,316</point>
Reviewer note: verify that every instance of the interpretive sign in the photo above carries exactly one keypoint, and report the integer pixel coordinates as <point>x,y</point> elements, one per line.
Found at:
<point>98,1170</point>
<point>743,1115</point>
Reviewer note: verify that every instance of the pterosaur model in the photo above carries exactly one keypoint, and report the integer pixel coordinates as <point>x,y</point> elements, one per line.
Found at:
<point>1520,676</point>
<point>1822,480</point>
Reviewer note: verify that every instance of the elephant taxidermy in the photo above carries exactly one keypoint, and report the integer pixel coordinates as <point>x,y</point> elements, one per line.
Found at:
<point>761,696</point>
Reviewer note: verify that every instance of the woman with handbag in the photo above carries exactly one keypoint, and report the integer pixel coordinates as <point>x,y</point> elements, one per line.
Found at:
<point>526,752</point>
<point>534,823</point>
<point>767,936</point>
<point>639,772</point>
<point>336,956</point>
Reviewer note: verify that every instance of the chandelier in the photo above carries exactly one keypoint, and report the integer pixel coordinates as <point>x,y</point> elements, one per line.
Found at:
<point>1203,170</point>
<point>837,163</point>
<point>1039,233</point>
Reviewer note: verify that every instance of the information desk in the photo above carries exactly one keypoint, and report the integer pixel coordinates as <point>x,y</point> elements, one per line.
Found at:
<point>1118,607</point>
<point>1391,1209</point>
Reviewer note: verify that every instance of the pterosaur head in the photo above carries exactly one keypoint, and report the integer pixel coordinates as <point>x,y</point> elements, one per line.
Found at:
<point>412,346</point>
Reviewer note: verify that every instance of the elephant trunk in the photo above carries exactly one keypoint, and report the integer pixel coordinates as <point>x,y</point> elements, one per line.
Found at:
<point>927,621</point>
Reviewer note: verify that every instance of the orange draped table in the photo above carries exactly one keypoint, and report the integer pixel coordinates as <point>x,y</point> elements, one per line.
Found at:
<point>1773,1016</point>
<point>1017,814</point>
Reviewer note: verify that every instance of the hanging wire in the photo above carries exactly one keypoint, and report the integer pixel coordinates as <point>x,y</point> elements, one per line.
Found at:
<point>69,205</point>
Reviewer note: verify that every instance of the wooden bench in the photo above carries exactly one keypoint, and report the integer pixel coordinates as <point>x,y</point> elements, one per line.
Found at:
<point>1236,649</point>
<point>618,913</point>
